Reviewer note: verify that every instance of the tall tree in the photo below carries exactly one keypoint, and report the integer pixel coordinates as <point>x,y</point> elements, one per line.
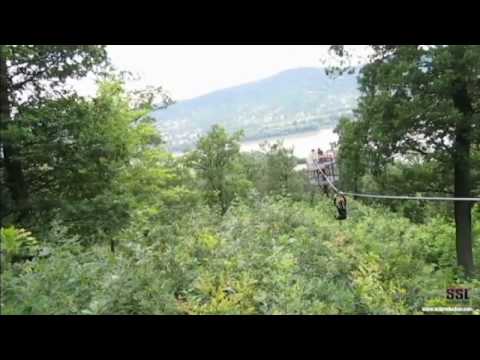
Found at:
<point>425,99</point>
<point>214,159</point>
<point>352,161</point>
<point>279,170</point>
<point>80,156</point>
<point>30,74</point>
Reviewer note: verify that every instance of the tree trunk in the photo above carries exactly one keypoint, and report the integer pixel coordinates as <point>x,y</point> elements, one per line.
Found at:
<point>463,216</point>
<point>222,199</point>
<point>14,177</point>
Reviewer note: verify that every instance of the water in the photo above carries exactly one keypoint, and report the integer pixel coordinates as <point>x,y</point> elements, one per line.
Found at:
<point>302,143</point>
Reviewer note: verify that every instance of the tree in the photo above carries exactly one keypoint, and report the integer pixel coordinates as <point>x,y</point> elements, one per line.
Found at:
<point>90,163</point>
<point>90,145</point>
<point>351,159</point>
<point>425,99</point>
<point>215,161</point>
<point>30,75</point>
<point>279,170</point>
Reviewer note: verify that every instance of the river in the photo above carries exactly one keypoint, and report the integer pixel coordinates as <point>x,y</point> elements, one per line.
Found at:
<point>302,143</point>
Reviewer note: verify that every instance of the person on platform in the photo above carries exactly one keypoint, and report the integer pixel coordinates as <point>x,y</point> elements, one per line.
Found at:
<point>320,155</point>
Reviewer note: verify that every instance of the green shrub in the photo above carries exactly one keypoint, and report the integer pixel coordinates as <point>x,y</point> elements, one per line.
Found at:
<point>269,255</point>
<point>16,245</point>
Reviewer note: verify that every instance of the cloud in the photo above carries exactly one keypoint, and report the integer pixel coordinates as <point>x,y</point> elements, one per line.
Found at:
<point>192,70</point>
<point>187,71</point>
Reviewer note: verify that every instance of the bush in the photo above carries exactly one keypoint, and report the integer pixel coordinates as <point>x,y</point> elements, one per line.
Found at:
<point>16,245</point>
<point>269,255</point>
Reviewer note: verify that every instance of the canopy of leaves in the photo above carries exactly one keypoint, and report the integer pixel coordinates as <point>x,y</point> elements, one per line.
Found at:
<point>36,72</point>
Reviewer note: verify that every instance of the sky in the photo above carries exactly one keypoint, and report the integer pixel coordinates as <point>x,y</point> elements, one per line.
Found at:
<point>187,71</point>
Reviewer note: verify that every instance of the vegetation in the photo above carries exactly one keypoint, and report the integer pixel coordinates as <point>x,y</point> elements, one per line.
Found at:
<point>264,256</point>
<point>112,223</point>
<point>423,100</point>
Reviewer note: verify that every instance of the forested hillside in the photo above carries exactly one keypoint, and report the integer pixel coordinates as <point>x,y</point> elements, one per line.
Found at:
<point>293,101</point>
<point>99,217</point>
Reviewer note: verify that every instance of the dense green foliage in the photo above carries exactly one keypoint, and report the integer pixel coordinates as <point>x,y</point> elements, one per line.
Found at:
<point>420,101</point>
<point>265,256</point>
<point>32,79</point>
<point>118,225</point>
<point>215,162</point>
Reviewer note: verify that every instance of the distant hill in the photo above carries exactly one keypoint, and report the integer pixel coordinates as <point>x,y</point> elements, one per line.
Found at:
<point>292,101</point>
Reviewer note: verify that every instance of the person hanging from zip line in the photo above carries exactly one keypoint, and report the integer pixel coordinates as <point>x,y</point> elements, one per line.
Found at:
<point>340,202</point>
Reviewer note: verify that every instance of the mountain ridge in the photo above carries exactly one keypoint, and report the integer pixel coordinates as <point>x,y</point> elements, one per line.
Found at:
<point>292,101</point>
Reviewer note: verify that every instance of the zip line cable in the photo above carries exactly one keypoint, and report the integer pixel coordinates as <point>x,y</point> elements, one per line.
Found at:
<point>394,197</point>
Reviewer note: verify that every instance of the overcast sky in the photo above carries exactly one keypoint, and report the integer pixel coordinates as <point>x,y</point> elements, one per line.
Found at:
<point>187,71</point>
